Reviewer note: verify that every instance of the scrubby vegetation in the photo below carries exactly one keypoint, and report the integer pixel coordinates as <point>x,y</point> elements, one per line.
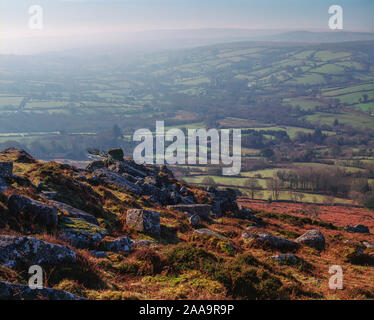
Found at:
<point>180,263</point>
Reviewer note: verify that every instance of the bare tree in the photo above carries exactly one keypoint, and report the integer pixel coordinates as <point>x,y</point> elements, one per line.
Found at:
<point>253,186</point>
<point>274,185</point>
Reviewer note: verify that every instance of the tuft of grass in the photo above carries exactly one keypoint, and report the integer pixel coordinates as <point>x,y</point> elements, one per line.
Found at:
<point>184,257</point>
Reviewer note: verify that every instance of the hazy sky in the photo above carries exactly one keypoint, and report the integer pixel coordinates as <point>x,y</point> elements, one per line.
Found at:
<point>66,19</point>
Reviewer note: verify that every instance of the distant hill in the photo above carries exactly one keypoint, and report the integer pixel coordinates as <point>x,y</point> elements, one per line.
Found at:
<point>332,36</point>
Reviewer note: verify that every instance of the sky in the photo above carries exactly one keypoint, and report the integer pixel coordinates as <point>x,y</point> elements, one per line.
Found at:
<point>66,20</point>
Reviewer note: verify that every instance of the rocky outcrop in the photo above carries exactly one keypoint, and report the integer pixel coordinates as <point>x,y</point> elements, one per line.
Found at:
<point>75,213</point>
<point>19,251</point>
<point>122,244</point>
<point>358,228</point>
<point>157,195</point>
<point>270,240</point>
<point>110,177</point>
<point>279,243</point>
<point>6,169</point>
<point>140,179</point>
<point>116,154</point>
<point>96,165</point>
<point>125,168</point>
<point>38,211</point>
<point>144,220</point>
<point>224,200</point>
<point>210,233</point>
<point>10,291</point>
<point>312,238</point>
<point>202,210</point>
<point>80,233</point>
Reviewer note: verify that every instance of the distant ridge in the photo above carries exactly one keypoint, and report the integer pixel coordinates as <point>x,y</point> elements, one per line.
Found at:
<point>153,41</point>
<point>331,36</point>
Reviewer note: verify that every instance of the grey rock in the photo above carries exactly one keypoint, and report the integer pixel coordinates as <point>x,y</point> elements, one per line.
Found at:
<point>99,254</point>
<point>3,185</point>
<point>194,220</point>
<point>117,180</point>
<point>41,212</point>
<point>129,168</point>
<point>312,238</point>
<point>117,168</point>
<point>10,291</point>
<point>277,242</point>
<point>224,201</point>
<point>368,244</point>
<point>217,209</point>
<point>75,213</point>
<point>95,165</point>
<point>359,228</point>
<point>6,169</point>
<point>80,233</point>
<point>271,240</point>
<point>210,233</point>
<point>157,194</point>
<point>17,251</point>
<point>122,244</point>
<point>144,220</point>
<point>202,210</point>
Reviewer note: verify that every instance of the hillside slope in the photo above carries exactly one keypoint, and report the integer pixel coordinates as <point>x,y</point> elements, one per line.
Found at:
<point>117,230</point>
